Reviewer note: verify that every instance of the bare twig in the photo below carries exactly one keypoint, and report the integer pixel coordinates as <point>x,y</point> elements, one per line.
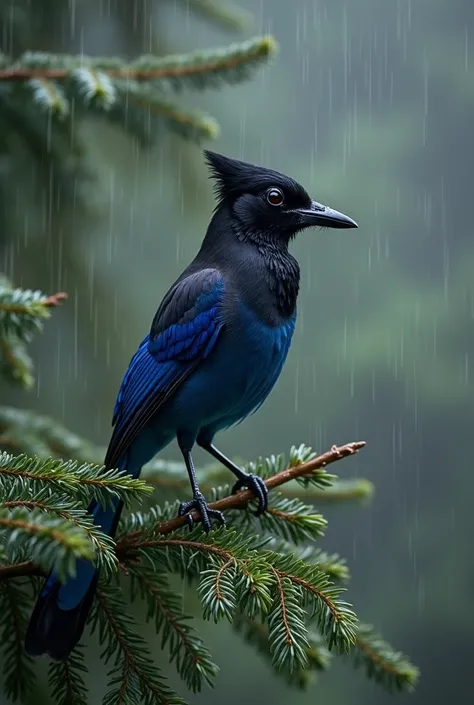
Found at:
<point>55,299</point>
<point>48,302</point>
<point>241,499</point>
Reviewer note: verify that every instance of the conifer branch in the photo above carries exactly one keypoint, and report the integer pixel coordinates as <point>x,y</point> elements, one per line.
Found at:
<point>25,431</point>
<point>134,678</point>
<point>81,481</point>
<point>342,490</point>
<point>187,650</point>
<point>259,575</point>
<point>66,509</point>
<point>240,577</point>
<point>23,310</point>
<point>45,96</point>
<point>313,470</point>
<point>172,477</point>
<point>20,570</point>
<point>46,438</point>
<point>66,680</point>
<point>390,668</point>
<point>289,519</point>
<point>333,565</point>
<point>17,666</point>
<point>86,481</point>
<point>22,313</point>
<point>285,617</point>
<point>229,64</point>
<point>317,656</point>
<point>49,540</point>
<point>192,125</point>
<point>15,364</point>
<point>134,95</point>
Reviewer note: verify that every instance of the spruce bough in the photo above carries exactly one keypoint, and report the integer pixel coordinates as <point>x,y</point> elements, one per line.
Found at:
<point>283,597</point>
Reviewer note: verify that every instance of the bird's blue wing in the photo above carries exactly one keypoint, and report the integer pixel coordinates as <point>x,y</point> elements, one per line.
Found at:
<point>183,333</point>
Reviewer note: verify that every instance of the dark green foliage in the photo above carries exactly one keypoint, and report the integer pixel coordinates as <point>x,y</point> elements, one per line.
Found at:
<point>133,95</point>
<point>285,619</point>
<point>290,519</point>
<point>48,540</point>
<point>284,596</point>
<point>17,666</point>
<point>186,648</point>
<point>79,480</point>
<point>390,668</point>
<point>67,682</point>
<point>43,97</point>
<point>133,678</point>
<point>22,313</point>
<point>65,508</point>
<point>332,564</point>
<point>316,655</point>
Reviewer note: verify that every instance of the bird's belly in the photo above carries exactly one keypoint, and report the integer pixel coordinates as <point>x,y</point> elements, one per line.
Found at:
<point>234,380</point>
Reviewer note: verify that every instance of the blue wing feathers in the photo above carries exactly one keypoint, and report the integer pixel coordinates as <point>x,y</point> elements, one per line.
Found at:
<point>123,386</point>
<point>183,333</point>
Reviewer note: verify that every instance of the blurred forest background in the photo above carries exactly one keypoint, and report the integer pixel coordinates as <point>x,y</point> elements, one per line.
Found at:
<point>370,104</point>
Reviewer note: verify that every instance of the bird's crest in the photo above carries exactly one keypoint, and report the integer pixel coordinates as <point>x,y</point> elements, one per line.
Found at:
<point>233,177</point>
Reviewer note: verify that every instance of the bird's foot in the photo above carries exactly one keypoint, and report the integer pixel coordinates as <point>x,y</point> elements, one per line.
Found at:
<point>256,485</point>
<point>199,503</point>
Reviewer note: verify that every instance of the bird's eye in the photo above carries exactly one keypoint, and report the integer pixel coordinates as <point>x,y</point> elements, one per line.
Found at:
<point>275,197</point>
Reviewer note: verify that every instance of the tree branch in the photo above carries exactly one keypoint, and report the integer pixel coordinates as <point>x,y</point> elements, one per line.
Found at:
<point>180,66</point>
<point>26,432</point>
<point>47,302</point>
<point>241,499</point>
<point>20,570</point>
<point>235,501</point>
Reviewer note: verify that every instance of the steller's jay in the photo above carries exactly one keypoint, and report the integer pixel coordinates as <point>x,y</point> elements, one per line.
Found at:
<point>216,347</point>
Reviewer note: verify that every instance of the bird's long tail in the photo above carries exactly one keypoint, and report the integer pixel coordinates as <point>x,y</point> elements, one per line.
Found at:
<point>61,610</point>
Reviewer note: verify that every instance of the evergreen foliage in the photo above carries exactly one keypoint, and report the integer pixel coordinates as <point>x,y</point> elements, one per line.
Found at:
<point>284,596</point>
<point>43,98</point>
<point>132,94</point>
<point>266,576</point>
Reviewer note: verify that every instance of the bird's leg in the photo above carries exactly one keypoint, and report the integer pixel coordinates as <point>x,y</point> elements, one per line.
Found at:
<point>244,479</point>
<point>198,502</point>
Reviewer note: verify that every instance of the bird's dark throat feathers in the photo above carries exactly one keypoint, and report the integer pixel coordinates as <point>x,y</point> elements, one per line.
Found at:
<point>264,264</point>
<point>281,270</point>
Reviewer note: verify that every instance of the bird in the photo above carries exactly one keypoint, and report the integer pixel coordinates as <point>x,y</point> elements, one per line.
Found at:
<point>215,350</point>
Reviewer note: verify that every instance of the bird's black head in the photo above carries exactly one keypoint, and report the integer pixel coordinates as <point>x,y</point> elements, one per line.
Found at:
<point>267,203</point>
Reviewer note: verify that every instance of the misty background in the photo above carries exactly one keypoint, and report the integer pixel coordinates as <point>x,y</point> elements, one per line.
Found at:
<point>369,104</point>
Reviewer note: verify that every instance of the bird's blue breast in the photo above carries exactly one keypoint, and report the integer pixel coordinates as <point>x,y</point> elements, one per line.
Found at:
<point>237,376</point>
<point>262,351</point>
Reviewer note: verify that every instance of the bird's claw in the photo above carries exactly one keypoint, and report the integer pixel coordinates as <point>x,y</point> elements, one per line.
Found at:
<point>256,485</point>
<point>199,503</point>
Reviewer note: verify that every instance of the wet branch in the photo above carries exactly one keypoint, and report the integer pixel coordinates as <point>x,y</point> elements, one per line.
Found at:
<point>236,501</point>
<point>242,499</point>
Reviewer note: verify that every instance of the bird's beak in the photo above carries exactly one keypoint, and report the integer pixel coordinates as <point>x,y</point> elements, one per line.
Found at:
<point>325,217</point>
